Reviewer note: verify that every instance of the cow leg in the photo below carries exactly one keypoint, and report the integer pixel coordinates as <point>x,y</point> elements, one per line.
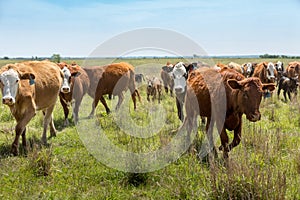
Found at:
<point>237,136</point>
<point>76,110</point>
<point>159,94</point>
<point>20,129</point>
<point>48,121</point>
<point>104,104</point>
<point>179,110</point>
<point>154,95</point>
<point>120,100</point>
<point>66,111</point>
<point>284,94</point>
<point>224,143</point>
<point>278,92</point>
<point>133,97</point>
<point>209,134</point>
<point>52,127</point>
<point>148,98</point>
<point>289,94</point>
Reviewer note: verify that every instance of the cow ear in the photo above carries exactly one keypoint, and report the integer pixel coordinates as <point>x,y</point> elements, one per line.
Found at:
<point>75,74</point>
<point>268,86</point>
<point>234,84</point>
<point>29,76</point>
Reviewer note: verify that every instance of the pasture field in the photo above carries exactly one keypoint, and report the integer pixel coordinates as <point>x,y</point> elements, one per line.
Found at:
<point>266,164</point>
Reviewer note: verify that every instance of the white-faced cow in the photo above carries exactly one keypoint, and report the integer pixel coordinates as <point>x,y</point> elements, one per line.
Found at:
<point>280,70</point>
<point>75,85</point>
<point>27,87</point>
<point>266,72</point>
<point>248,69</point>
<point>180,75</point>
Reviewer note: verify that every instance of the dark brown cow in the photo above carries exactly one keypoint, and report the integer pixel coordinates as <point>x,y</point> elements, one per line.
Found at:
<point>209,87</point>
<point>116,78</point>
<point>167,79</point>
<point>75,86</point>
<point>154,87</point>
<point>266,72</point>
<point>27,87</point>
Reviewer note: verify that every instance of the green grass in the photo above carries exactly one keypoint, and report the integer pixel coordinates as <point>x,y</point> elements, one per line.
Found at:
<point>266,165</point>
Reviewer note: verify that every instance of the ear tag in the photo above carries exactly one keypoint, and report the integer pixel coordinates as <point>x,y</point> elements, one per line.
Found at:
<point>31,81</point>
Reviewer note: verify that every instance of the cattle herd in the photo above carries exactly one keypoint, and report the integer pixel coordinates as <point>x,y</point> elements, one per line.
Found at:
<point>30,86</point>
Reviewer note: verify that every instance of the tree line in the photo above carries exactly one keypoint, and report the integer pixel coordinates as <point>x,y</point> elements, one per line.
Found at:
<point>278,56</point>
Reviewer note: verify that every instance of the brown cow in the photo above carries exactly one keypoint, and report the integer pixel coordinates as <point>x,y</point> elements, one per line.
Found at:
<point>248,69</point>
<point>27,87</point>
<point>154,87</point>
<point>167,79</point>
<point>75,85</point>
<point>293,69</point>
<point>266,72</point>
<point>208,87</point>
<point>116,78</point>
<point>94,73</point>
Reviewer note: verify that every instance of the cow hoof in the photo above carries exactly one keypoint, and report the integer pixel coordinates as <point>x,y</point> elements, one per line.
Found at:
<point>14,151</point>
<point>66,123</point>
<point>53,134</point>
<point>90,116</point>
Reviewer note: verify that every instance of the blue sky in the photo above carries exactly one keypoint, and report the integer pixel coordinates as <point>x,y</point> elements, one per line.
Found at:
<point>220,27</point>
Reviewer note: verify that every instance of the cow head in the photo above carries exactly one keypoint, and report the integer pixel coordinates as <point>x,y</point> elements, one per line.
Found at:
<point>9,84</point>
<point>270,71</point>
<point>249,95</point>
<point>249,68</point>
<point>69,72</point>
<point>279,66</point>
<point>180,76</point>
<point>149,82</point>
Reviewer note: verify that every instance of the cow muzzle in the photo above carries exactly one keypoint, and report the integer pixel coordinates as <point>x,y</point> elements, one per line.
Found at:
<point>65,89</point>
<point>253,117</point>
<point>179,90</point>
<point>8,101</point>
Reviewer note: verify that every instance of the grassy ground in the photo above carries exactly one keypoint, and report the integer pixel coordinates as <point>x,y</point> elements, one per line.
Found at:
<point>266,165</point>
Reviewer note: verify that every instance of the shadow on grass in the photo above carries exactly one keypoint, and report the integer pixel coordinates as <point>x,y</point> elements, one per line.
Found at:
<point>32,143</point>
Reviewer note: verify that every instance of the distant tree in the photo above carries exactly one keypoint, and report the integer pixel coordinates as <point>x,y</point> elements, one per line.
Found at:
<point>55,58</point>
<point>5,58</point>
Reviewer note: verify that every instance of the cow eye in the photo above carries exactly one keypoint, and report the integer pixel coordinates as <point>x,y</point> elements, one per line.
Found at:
<point>17,81</point>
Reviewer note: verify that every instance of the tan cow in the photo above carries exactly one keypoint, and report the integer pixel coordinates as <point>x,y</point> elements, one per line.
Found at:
<point>116,78</point>
<point>237,67</point>
<point>26,88</point>
<point>75,85</point>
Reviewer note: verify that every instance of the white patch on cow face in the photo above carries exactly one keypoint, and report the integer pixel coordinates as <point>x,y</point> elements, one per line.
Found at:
<point>249,68</point>
<point>10,84</point>
<point>66,87</point>
<point>270,71</point>
<point>279,66</point>
<point>179,79</point>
